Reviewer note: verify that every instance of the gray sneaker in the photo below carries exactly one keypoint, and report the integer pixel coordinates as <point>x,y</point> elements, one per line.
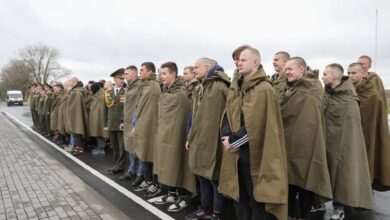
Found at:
<point>143,186</point>
<point>153,190</point>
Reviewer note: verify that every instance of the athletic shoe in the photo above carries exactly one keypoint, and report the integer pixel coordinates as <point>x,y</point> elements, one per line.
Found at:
<point>143,186</point>
<point>169,198</point>
<point>153,190</point>
<point>338,214</point>
<point>137,181</point>
<point>201,213</point>
<point>98,152</point>
<point>179,205</point>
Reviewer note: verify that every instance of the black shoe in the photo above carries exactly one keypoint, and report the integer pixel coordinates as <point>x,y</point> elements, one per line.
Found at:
<point>114,172</point>
<point>137,181</point>
<point>201,213</point>
<point>112,168</point>
<point>127,176</point>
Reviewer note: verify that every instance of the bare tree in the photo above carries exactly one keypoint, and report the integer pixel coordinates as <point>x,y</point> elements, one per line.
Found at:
<point>33,64</point>
<point>43,63</point>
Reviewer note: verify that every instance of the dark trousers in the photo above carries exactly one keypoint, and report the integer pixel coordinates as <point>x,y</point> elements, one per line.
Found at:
<point>248,208</point>
<point>300,201</point>
<point>149,176</point>
<point>118,149</point>
<point>209,195</point>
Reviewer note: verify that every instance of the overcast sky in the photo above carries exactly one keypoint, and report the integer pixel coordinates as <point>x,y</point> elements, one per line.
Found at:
<point>97,37</point>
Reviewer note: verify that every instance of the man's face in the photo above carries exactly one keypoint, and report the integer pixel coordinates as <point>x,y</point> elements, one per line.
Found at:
<point>144,73</point>
<point>279,63</point>
<point>365,64</point>
<point>56,89</point>
<point>293,71</point>
<point>167,78</point>
<point>130,75</point>
<point>119,81</point>
<point>200,69</point>
<point>328,76</point>
<point>188,75</point>
<point>247,63</point>
<point>356,74</point>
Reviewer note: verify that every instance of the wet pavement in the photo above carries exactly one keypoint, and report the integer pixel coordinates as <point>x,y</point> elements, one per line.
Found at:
<point>102,163</point>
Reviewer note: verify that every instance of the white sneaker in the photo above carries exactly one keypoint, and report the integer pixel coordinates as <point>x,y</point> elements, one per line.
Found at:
<point>169,198</point>
<point>179,205</point>
<point>338,214</point>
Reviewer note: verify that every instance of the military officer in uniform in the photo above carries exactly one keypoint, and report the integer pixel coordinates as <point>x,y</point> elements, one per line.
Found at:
<point>114,99</point>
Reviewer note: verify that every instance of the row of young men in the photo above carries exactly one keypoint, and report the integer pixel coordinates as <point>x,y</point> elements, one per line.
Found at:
<point>282,144</point>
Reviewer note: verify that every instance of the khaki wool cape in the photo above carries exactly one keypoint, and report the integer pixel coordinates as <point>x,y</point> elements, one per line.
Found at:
<point>346,153</point>
<point>268,163</point>
<point>279,83</point>
<point>147,116</point>
<point>378,85</point>
<point>171,159</point>
<point>204,137</point>
<point>55,108</point>
<point>76,112</point>
<point>376,132</point>
<point>96,116</point>
<point>301,110</point>
<point>128,110</point>
<point>62,128</point>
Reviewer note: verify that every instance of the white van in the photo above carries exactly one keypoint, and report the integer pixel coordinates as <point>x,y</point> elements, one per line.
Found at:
<point>14,97</point>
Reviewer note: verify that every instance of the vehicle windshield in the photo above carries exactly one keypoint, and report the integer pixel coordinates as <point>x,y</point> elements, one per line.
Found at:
<point>15,96</point>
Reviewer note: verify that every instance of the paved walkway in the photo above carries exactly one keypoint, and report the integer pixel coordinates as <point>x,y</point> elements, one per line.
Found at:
<point>35,186</point>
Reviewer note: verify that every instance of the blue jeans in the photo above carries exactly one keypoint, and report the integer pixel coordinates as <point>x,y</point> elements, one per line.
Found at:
<point>75,139</point>
<point>135,165</point>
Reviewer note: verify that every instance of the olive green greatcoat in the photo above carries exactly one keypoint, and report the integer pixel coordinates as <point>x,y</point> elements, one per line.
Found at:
<point>268,164</point>
<point>171,157</point>
<point>378,85</point>
<point>96,116</point>
<point>301,108</point>
<point>55,108</point>
<point>147,116</point>
<point>76,112</point>
<point>114,113</point>
<point>128,110</point>
<point>346,153</point>
<point>204,137</point>
<point>376,132</point>
<point>62,128</point>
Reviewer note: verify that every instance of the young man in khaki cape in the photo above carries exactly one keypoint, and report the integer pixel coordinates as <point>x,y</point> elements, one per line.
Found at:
<point>204,141</point>
<point>171,163</point>
<point>366,61</point>
<point>375,127</point>
<point>279,78</point>
<point>135,165</point>
<point>254,166</point>
<point>301,110</point>
<point>345,146</point>
<point>145,127</point>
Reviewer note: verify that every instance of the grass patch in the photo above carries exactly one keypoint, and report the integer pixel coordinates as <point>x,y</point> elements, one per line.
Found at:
<point>388,106</point>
